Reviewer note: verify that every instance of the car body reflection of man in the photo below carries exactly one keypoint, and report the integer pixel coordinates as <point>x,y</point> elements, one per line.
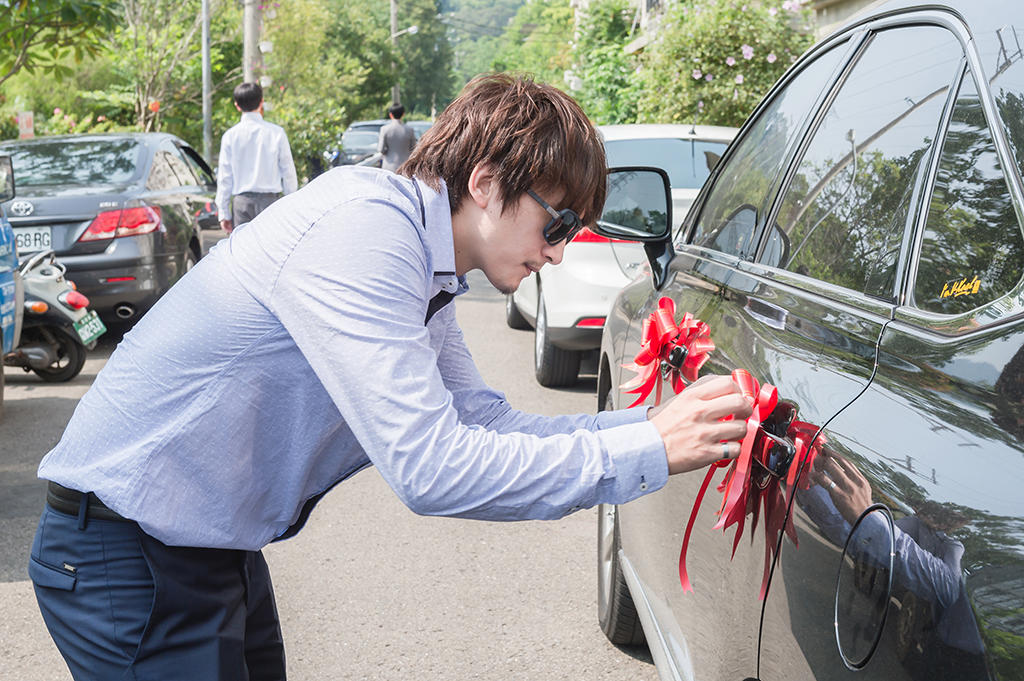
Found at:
<point>936,635</point>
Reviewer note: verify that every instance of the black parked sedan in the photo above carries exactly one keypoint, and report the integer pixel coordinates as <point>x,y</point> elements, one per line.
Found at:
<point>860,248</point>
<point>121,210</point>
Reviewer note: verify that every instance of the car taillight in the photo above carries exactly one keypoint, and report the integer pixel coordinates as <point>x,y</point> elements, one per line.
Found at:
<point>112,224</point>
<point>591,321</point>
<point>74,300</point>
<point>586,236</point>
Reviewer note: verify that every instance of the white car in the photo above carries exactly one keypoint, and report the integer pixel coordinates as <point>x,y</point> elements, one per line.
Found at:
<point>567,303</point>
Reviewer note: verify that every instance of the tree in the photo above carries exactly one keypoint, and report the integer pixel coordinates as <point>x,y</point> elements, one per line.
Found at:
<point>610,86</point>
<point>474,31</point>
<point>39,34</point>
<point>425,59</point>
<point>538,42</point>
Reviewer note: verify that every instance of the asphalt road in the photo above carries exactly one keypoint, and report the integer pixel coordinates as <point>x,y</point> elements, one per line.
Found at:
<point>369,590</point>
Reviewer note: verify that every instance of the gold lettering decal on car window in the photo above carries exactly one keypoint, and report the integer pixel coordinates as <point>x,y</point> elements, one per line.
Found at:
<point>963,287</point>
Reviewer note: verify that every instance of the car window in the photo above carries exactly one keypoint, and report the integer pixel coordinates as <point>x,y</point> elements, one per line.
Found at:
<point>198,169</point>
<point>972,251</point>
<point>161,175</point>
<point>354,140</point>
<point>845,212</point>
<point>731,211</point>
<point>181,169</point>
<point>84,162</point>
<point>687,162</point>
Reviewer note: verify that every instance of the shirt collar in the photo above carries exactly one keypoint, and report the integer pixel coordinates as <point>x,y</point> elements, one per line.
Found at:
<point>252,116</point>
<point>439,238</point>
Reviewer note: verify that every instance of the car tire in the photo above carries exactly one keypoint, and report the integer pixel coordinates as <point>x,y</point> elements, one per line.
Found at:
<point>513,317</point>
<point>190,261</point>
<point>72,359</point>
<point>553,366</point>
<point>616,611</point>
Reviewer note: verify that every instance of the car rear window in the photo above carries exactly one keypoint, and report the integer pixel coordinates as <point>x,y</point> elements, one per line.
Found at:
<point>360,140</point>
<point>687,162</point>
<point>76,162</point>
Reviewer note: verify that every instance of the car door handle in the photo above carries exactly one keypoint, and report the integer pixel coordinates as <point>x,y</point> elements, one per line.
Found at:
<point>768,314</point>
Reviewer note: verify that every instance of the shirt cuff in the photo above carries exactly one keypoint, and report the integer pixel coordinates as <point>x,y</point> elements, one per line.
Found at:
<point>638,458</point>
<point>621,417</point>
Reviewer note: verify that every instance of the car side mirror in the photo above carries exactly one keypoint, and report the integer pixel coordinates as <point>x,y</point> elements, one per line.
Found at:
<point>6,179</point>
<point>638,206</point>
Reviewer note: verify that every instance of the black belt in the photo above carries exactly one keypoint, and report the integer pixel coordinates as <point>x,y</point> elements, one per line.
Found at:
<point>70,501</point>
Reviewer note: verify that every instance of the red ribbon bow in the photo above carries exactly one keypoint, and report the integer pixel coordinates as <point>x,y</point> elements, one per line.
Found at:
<point>661,336</point>
<point>741,493</point>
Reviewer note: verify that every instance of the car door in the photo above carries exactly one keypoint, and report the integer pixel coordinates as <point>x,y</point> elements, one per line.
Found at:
<point>169,187</point>
<point>835,259</point>
<point>712,632</point>
<point>203,192</point>
<point>936,439</point>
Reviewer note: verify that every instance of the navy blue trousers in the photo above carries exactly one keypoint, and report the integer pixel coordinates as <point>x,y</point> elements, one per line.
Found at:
<point>121,605</point>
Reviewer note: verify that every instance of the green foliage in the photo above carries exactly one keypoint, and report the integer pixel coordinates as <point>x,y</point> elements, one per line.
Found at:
<point>716,59</point>
<point>39,35</point>
<point>474,31</point>
<point>610,87</point>
<point>537,42</point>
<point>315,77</point>
<point>425,58</point>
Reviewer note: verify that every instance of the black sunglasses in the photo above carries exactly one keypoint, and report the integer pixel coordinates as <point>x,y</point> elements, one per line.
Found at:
<point>563,225</point>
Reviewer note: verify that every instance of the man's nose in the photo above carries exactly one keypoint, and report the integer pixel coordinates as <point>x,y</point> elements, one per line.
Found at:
<point>553,254</point>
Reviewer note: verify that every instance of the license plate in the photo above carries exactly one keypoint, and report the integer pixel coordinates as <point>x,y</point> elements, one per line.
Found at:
<point>32,239</point>
<point>90,327</point>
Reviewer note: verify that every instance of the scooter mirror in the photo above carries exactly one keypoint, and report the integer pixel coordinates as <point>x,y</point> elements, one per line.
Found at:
<point>6,179</point>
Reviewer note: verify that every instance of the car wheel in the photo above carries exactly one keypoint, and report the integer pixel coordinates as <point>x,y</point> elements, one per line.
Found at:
<point>190,261</point>
<point>70,360</point>
<point>615,609</point>
<point>552,366</point>
<point>513,317</point>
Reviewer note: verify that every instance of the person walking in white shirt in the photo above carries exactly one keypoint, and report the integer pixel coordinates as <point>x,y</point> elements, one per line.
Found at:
<point>255,165</point>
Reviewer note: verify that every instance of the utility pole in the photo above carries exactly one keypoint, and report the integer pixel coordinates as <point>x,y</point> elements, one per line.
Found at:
<point>207,78</point>
<point>250,37</point>
<point>394,48</point>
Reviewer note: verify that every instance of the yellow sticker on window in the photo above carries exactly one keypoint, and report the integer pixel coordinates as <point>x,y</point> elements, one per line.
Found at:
<point>963,287</point>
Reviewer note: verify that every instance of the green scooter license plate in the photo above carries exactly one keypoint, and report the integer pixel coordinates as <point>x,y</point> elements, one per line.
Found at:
<point>90,327</point>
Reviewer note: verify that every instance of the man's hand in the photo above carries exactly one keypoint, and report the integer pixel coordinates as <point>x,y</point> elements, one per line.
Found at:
<point>849,489</point>
<point>691,423</point>
<point>226,225</point>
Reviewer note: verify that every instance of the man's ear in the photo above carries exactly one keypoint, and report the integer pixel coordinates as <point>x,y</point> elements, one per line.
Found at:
<point>483,185</point>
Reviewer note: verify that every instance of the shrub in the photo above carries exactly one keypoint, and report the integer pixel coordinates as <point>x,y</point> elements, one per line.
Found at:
<point>714,60</point>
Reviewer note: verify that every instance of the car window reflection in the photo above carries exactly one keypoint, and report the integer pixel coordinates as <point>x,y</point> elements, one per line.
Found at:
<point>77,162</point>
<point>756,163</point>
<point>849,203</point>
<point>972,251</point>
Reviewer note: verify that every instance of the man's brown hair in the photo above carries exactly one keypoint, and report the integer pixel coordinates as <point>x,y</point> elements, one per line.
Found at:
<point>533,135</point>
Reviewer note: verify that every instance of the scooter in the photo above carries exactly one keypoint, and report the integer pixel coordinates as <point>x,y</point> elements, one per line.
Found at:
<point>57,327</point>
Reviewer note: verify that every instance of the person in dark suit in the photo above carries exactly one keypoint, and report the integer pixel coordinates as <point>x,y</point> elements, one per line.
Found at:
<point>396,139</point>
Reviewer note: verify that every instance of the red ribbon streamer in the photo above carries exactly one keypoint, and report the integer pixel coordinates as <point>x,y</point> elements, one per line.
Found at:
<point>660,336</point>
<point>742,495</point>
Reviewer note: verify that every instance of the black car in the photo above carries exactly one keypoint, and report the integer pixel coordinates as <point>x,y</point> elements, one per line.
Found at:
<point>122,211</point>
<point>860,248</point>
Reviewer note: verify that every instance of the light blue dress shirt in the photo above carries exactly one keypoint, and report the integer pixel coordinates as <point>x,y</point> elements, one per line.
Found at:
<point>296,354</point>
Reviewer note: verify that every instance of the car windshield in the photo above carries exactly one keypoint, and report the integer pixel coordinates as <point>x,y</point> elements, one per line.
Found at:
<point>687,162</point>
<point>359,140</point>
<point>76,162</point>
